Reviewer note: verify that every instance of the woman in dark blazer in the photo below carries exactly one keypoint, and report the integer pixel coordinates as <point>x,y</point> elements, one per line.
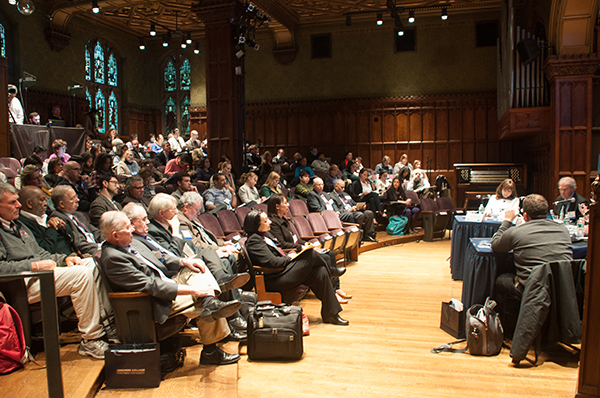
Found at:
<point>401,204</point>
<point>309,268</point>
<point>284,237</point>
<point>362,191</point>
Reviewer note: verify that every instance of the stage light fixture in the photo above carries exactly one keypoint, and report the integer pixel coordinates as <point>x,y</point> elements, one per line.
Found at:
<point>183,42</point>
<point>95,7</point>
<point>197,48</point>
<point>152,29</point>
<point>379,19</point>
<point>12,2</point>
<point>411,16</point>
<point>142,45</point>
<point>348,20</point>
<point>400,32</point>
<point>188,40</point>
<point>165,41</point>
<point>26,7</point>
<point>444,13</point>
<point>253,44</point>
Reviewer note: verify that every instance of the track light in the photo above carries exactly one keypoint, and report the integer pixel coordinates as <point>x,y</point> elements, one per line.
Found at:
<point>411,16</point>
<point>12,2</point>
<point>348,20</point>
<point>188,40</point>
<point>379,19</point>
<point>165,41</point>
<point>95,8</point>
<point>253,44</point>
<point>400,31</point>
<point>183,42</point>
<point>197,48</point>
<point>142,45</point>
<point>152,29</point>
<point>444,13</point>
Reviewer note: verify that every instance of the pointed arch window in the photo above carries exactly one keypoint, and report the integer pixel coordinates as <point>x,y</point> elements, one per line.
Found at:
<point>176,98</point>
<point>102,84</point>
<point>2,41</point>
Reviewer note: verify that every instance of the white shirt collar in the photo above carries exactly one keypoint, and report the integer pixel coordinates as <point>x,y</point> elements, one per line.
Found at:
<point>42,221</point>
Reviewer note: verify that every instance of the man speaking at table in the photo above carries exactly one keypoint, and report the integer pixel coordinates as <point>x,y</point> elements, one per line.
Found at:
<point>536,242</point>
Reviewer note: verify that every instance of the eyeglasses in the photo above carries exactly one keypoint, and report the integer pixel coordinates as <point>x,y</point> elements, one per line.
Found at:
<point>137,187</point>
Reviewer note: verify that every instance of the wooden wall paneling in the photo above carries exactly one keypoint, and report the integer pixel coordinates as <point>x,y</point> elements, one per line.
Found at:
<point>441,121</point>
<point>269,135</point>
<point>579,105</point>
<point>416,126</point>
<point>376,154</point>
<point>441,156</point>
<point>565,103</point>
<point>428,151</point>
<point>351,127</point>
<point>363,134</point>
<point>402,123</point>
<point>468,152</point>
<point>481,124</point>
<point>579,142</point>
<point>492,123</point>
<point>281,130</point>
<point>304,133</point>
<point>455,129</point>
<point>468,121</point>
<point>493,153</point>
<point>481,152</point>
<point>376,127</point>
<point>565,152</point>
<point>327,133</point>
<point>415,152</point>
<point>429,126</point>
<point>455,152</point>
<point>389,127</point>
<point>260,125</point>
<point>293,131</point>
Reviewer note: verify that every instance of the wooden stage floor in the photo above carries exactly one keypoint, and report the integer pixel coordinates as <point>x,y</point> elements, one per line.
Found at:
<point>385,352</point>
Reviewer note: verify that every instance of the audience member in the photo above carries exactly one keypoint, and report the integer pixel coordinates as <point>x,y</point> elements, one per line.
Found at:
<point>225,169</point>
<point>331,177</point>
<point>181,163</point>
<point>384,166</point>
<point>248,193</point>
<point>266,166</point>
<point>90,126</point>
<point>418,182</point>
<point>177,142</point>
<point>184,184</point>
<point>55,113</point>
<point>204,172</point>
<point>134,192</point>
<point>362,191</point>
<point>102,167</point>
<point>402,163</point>
<point>162,158</point>
<point>252,159</point>
<point>34,118</point>
<point>105,200</point>
<point>108,140</point>
<point>221,196</point>
<point>139,152</point>
<point>154,145</point>
<point>317,200</point>
<point>16,114</point>
<point>127,166</point>
<point>348,174</point>
<point>382,183</point>
<point>303,166</point>
<point>88,160</point>
<point>59,150</point>
<point>280,158</point>
<point>271,186</point>
<point>54,172</point>
<point>72,178</point>
<point>193,142</point>
<point>347,159</point>
<point>401,204</point>
<point>352,212</point>
<point>304,186</point>
<point>320,163</point>
<point>313,154</point>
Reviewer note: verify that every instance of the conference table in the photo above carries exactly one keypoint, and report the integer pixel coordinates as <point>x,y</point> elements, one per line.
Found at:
<point>482,266</point>
<point>462,231</point>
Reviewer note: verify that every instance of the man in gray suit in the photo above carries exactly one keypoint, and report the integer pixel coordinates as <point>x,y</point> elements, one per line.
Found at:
<point>177,285</point>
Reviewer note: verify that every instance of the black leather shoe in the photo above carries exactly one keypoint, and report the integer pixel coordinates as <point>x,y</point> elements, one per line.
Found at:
<point>233,281</point>
<point>337,272</point>
<point>238,323</point>
<point>218,357</point>
<point>235,336</point>
<point>215,309</point>
<point>371,239</point>
<point>249,297</point>
<point>337,320</point>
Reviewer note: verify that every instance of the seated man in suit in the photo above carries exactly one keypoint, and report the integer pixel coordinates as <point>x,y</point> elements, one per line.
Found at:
<point>350,212</point>
<point>318,200</point>
<point>72,178</point>
<point>569,199</point>
<point>20,252</point>
<point>109,187</point>
<point>134,192</point>
<point>86,237</point>
<point>184,184</point>
<point>177,285</point>
<point>535,242</point>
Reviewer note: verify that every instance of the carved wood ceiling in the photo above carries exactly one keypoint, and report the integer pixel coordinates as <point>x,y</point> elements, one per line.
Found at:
<point>134,16</point>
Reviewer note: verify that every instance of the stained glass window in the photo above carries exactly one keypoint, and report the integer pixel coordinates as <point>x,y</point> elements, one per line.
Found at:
<point>88,64</point>
<point>170,77</point>
<point>99,63</point>
<point>112,70</point>
<point>88,97</point>
<point>184,75</point>
<point>184,109</point>
<point>170,115</point>
<point>2,41</point>
<point>100,116</point>
<point>113,112</point>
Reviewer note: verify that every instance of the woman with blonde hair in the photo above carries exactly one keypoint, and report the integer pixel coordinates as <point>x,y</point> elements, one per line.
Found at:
<point>248,192</point>
<point>271,186</point>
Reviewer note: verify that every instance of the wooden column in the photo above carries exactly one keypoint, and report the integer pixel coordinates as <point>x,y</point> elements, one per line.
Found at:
<point>570,79</point>
<point>224,88</point>
<point>4,127</point>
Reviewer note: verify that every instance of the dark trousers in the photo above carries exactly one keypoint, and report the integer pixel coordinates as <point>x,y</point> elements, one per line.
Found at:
<point>364,219</point>
<point>309,269</point>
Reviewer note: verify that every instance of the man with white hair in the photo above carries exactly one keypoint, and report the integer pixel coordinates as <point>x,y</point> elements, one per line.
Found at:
<point>20,252</point>
<point>569,201</point>
<point>318,200</point>
<point>177,285</point>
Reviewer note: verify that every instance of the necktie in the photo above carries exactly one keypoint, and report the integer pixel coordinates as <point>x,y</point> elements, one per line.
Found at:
<point>88,235</point>
<point>158,247</point>
<point>205,236</point>
<point>327,204</point>
<point>150,264</point>
<point>272,244</point>
<point>346,203</point>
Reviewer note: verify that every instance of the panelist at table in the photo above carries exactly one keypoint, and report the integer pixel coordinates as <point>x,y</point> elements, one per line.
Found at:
<point>505,198</point>
<point>568,201</point>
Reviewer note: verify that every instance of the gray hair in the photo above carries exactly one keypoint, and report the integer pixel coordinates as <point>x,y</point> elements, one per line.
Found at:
<point>111,221</point>
<point>161,201</point>
<point>5,187</point>
<point>129,182</point>
<point>190,199</point>
<point>317,181</point>
<point>568,180</point>
<point>134,210</point>
<point>59,192</point>
<point>339,181</point>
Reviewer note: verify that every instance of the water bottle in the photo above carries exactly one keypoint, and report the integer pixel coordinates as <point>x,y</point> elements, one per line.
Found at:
<point>481,208</point>
<point>580,225</point>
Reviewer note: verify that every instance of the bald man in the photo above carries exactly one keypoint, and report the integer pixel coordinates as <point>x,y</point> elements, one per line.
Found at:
<point>568,201</point>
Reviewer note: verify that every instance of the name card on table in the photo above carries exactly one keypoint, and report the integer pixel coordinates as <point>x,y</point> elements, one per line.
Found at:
<point>474,217</point>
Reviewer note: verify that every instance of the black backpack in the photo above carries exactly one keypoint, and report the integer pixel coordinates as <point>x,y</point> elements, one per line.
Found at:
<point>484,333</point>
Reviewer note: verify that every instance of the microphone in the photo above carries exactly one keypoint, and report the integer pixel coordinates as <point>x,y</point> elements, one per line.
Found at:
<point>571,200</point>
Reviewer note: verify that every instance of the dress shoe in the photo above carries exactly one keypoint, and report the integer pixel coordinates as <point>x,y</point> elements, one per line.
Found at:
<point>371,239</point>
<point>238,323</point>
<point>215,309</point>
<point>340,299</point>
<point>249,297</point>
<point>233,281</point>
<point>343,294</point>
<point>337,320</point>
<point>218,357</point>
<point>337,272</point>
<point>235,336</point>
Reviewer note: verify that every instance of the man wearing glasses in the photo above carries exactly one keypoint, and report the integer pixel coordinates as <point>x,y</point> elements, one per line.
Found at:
<point>104,202</point>
<point>72,178</point>
<point>134,190</point>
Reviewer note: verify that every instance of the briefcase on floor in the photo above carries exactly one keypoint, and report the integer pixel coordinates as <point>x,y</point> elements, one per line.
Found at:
<point>275,331</point>
<point>453,321</point>
<point>132,365</point>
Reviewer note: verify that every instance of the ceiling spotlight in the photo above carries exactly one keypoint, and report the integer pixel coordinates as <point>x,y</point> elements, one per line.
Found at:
<point>188,40</point>
<point>379,19</point>
<point>400,31</point>
<point>12,2</point>
<point>152,29</point>
<point>142,45</point>
<point>183,42</point>
<point>165,41</point>
<point>411,16</point>
<point>444,13</point>
<point>26,7</point>
<point>241,40</point>
<point>348,20</point>
<point>197,48</point>
<point>95,8</point>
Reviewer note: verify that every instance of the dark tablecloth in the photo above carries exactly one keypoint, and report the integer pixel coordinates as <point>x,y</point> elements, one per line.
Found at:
<point>25,137</point>
<point>462,231</point>
<point>482,266</point>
